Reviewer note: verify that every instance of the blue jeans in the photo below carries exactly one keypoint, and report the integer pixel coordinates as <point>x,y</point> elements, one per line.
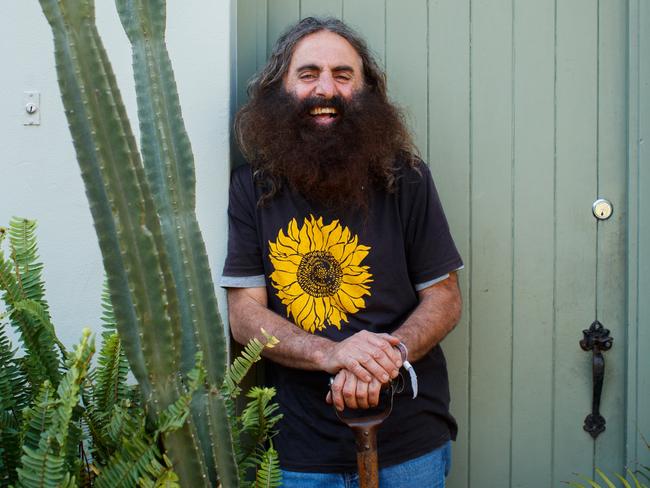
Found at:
<point>428,471</point>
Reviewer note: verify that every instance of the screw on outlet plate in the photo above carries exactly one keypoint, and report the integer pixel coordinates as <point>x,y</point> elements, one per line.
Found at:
<point>31,108</point>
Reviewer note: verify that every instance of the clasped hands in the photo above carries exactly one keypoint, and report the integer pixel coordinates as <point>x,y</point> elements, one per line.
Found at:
<point>362,363</point>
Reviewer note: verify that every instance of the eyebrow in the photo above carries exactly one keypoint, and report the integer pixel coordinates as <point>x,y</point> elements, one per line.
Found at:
<point>313,67</point>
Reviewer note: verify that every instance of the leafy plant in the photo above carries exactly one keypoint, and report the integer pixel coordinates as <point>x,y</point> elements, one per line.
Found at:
<point>631,480</point>
<point>83,425</point>
<point>143,207</point>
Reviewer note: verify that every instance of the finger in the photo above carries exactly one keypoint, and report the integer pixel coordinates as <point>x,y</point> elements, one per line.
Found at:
<point>362,394</point>
<point>374,389</point>
<point>389,348</point>
<point>355,367</point>
<point>328,398</point>
<point>350,391</point>
<point>383,351</point>
<point>392,339</point>
<point>381,371</point>
<point>336,390</point>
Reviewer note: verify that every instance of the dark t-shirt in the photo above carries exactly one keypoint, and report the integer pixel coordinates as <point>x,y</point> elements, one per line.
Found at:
<point>334,275</point>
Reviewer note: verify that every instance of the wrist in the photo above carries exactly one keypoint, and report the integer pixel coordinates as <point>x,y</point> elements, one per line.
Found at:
<point>322,354</point>
<point>403,350</point>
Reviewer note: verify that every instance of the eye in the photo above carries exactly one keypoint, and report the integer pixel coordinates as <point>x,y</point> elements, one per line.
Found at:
<point>307,76</point>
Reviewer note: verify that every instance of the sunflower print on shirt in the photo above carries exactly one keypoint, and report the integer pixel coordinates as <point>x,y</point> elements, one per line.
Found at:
<point>318,273</point>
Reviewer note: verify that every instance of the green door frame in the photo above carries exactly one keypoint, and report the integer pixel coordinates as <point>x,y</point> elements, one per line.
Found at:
<point>638,380</point>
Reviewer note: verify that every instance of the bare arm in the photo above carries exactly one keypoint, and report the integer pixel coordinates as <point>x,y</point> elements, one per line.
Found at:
<point>435,316</point>
<point>364,354</point>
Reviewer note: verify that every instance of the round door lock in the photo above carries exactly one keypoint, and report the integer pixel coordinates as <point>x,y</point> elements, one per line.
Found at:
<point>602,209</point>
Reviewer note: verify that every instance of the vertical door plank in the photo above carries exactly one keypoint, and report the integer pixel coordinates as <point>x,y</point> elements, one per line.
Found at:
<point>368,17</point>
<point>639,129</point>
<point>406,58</point>
<point>576,101</point>
<point>534,122</point>
<point>251,43</point>
<point>321,8</point>
<point>491,274</point>
<point>611,292</point>
<point>449,161</point>
<point>281,14</point>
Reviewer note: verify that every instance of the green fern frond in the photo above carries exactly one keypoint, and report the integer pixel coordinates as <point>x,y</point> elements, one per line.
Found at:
<point>108,389</point>
<point>39,314</point>
<point>268,474</point>
<point>166,479</point>
<point>125,421</point>
<point>13,398</point>
<point>108,316</point>
<point>255,428</point>
<point>69,388</point>
<point>41,467</point>
<point>243,363</point>
<point>608,483</point>
<point>21,281</point>
<point>174,416</point>
<point>260,415</point>
<point>13,383</point>
<point>22,236</point>
<point>38,417</point>
<point>110,376</point>
<point>136,459</point>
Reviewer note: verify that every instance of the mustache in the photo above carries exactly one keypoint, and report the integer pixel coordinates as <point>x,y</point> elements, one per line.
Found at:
<point>306,105</point>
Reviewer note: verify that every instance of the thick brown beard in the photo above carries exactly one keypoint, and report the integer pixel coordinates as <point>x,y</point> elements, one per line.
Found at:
<point>333,166</point>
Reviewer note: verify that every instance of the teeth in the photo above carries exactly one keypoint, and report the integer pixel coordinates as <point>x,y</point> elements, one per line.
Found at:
<point>322,110</point>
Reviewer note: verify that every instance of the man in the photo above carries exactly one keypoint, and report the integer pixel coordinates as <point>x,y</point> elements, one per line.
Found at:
<point>339,247</point>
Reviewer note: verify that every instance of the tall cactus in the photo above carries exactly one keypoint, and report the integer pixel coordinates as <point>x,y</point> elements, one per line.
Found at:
<point>144,213</point>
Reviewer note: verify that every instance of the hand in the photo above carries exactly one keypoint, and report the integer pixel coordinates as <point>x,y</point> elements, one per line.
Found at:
<point>348,391</point>
<point>366,355</point>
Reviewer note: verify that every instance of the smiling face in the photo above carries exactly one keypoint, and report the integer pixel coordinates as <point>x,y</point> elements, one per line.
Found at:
<point>324,65</point>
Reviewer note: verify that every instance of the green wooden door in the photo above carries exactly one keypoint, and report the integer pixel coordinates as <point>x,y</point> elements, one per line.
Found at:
<point>520,109</point>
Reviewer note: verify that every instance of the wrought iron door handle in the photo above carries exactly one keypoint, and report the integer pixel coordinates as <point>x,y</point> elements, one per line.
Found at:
<point>596,339</point>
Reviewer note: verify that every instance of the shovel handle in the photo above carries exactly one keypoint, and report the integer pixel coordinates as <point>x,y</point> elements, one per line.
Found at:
<point>366,440</point>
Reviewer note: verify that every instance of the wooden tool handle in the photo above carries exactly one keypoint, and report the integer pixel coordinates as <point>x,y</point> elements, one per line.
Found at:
<point>366,440</point>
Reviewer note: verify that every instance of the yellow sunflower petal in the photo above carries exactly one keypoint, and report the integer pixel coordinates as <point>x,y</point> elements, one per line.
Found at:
<point>345,302</point>
<point>358,255</point>
<point>317,235</point>
<point>281,264</point>
<point>327,230</point>
<point>286,244</point>
<point>334,232</point>
<point>337,251</point>
<point>357,278</point>
<point>319,309</point>
<point>335,317</point>
<point>294,232</point>
<point>283,278</point>
<point>353,291</point>
<point>304,243</point>
<point>293,289</point>
<point>297,306</point>
<point>305,317</point>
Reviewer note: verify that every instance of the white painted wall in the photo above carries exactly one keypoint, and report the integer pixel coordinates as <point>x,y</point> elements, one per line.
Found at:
<point>39,176</point>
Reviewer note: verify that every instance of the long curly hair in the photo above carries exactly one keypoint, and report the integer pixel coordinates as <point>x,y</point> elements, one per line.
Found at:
<point>335,169</point>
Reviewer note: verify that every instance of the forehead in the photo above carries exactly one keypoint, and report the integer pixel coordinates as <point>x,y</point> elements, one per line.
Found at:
<point>324,49</point>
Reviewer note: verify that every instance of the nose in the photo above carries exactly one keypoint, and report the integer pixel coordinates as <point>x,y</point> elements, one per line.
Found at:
<point>325,87</point>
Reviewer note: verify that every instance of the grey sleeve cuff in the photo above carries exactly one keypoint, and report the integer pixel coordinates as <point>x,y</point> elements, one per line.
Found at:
<point>427,284</point>
<point>242,281</point>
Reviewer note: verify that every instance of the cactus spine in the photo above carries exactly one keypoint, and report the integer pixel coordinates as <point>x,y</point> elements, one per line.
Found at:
<point>144,213</point>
